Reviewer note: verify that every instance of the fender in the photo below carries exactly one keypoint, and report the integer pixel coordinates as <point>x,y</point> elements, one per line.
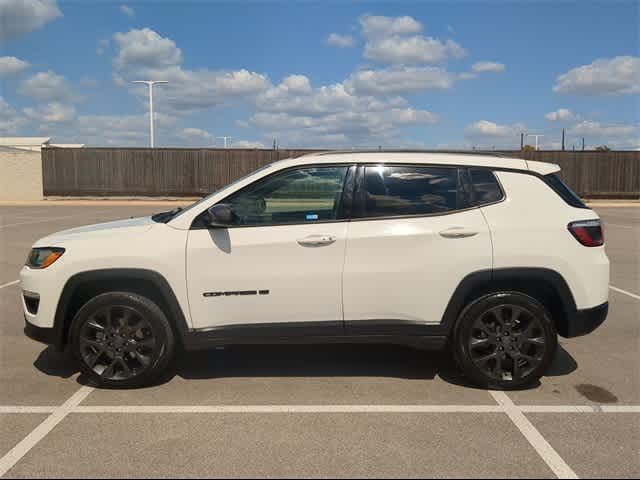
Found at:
<point>62,322</point>
<point>485,281</point>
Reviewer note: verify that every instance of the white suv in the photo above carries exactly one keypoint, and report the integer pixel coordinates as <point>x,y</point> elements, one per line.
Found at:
<point>492,256</point>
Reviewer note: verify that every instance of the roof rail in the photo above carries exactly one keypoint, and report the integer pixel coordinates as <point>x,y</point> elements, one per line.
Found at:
<point>491,153</point>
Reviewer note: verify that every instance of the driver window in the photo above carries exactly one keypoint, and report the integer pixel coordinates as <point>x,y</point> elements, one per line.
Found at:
<point>303,195</point>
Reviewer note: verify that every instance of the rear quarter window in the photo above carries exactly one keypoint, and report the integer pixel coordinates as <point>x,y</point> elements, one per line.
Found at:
<point>486,187</point>
<point>568,195</point>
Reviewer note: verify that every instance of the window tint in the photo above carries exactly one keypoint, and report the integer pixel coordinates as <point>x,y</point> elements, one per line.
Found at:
<point>485,186</point>
<point>296,196</point>
<point>409,190</point>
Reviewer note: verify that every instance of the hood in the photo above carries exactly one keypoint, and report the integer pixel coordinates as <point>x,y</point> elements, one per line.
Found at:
<point>117,227</point>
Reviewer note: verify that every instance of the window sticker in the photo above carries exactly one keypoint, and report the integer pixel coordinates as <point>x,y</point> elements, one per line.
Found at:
<point>312,216</point>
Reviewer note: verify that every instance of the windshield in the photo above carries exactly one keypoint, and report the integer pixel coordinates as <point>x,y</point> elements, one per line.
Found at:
<point>204,199</point>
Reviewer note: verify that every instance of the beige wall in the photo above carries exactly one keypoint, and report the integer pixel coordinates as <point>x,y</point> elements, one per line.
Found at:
<point>20,176</point>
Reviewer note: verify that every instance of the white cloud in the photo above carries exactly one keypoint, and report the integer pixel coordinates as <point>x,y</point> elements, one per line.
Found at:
<point>491,129</point>
<point>332,115</point>
<point>397,41</point>
<point>588,128</point>
<point>195,134</point>
<point>340,41</point>
<point>467,76</point>
<point>19,17</point>
<point>145,48</point>
<point>12,66</point>
<point>128,11</point>
<point>560,115</point>
<point>614,135</point>
<point>374,26</point>
<point>605,76</point>
<point>145,54</point>
<point>247,144</point>
<point>10,121</point>
<point>486,134</point>
<point>412,50</point>
<point>399,80</point>
<point>488,67</point>
<point>53,112</point>
<point>46,86</point>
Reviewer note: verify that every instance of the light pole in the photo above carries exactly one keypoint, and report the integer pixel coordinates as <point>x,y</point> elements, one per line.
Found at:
<point>536,135</point>
<point>150,83</point>
<point>225,140</point>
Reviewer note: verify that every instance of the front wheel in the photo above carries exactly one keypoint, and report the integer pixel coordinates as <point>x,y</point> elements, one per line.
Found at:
<point>122,339</point>
<point>505,340</point>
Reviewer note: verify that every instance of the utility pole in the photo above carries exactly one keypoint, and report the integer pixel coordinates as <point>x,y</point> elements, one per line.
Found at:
<point>583,144</point>
<point>521,140</point>
<point>225,140</point>
<point>150,84</point>
<point>563,139</point>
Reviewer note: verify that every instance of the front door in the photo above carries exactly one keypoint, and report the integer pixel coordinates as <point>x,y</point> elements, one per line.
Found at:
<point>278,266</point>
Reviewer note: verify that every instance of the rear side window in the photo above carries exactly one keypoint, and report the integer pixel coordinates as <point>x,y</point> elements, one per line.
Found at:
<point>568,195</point>
<point>486,188</point>
<point>396,190</point>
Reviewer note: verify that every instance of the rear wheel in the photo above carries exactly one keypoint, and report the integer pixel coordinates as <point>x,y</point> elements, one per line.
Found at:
<point>122,340</point>
<point>505,340</point>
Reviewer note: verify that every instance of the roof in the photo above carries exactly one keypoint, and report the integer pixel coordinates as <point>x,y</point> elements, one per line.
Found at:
<point>24,141</point>
<point>438,158</point>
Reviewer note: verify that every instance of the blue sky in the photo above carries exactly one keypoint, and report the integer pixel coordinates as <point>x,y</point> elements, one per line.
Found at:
<point>322,74</point>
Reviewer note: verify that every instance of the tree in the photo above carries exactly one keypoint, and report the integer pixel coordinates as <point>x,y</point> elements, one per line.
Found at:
<point>602,148</point>
<point>528,148</point>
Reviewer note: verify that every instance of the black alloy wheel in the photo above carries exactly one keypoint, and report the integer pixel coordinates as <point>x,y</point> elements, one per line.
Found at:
<point>122,339</point>
<point>505,340</point>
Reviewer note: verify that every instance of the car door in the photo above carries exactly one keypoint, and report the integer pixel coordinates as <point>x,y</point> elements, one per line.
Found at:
<point>277,268</point>
<point>413,238</point>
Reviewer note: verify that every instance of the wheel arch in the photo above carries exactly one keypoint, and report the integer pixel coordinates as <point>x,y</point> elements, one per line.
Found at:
<point>85,285</point>
<point>543,284</point>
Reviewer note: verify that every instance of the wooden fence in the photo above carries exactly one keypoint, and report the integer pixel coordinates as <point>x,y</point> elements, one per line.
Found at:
<point>195,172</point>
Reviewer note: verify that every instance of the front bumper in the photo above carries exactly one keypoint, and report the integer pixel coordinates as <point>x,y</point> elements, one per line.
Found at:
<point>586,321</point>
<point>48,336</point>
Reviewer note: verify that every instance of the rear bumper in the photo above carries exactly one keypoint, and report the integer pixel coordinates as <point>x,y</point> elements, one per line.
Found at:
<point>586,321</point>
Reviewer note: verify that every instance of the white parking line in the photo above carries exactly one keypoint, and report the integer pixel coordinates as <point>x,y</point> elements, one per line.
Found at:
<point>21,449</point>
<point>26,409</point>
<point>323,409</point>
<point>534,437</point>
<point>619,290</point>
<point>292,409</point>
<point>9,284</point>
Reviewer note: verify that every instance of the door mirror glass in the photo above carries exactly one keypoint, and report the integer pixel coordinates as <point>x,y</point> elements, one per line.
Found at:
<point>220,215</point>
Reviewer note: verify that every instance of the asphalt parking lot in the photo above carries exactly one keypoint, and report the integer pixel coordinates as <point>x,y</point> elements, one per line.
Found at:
<point>320,411</point>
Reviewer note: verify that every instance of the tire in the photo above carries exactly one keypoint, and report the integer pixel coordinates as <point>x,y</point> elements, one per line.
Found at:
<point>504,340</point>
<point>122,340</point>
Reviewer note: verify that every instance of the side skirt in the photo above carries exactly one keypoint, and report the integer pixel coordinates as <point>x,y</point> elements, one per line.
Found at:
<point>316,333</point>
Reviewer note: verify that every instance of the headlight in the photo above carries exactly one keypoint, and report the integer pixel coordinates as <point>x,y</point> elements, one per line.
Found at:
<point>43,257</point>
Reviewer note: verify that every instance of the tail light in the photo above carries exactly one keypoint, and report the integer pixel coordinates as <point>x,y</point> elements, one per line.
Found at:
<point>588,232</point>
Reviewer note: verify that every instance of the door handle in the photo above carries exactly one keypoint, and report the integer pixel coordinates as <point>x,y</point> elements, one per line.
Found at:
<point>317,240</point>
<point>457,232</point>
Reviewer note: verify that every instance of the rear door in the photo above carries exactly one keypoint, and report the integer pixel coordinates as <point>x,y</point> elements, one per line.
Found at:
<point>414,236</point>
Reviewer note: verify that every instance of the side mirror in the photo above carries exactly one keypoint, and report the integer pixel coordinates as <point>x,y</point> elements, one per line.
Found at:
<point>220,215</point>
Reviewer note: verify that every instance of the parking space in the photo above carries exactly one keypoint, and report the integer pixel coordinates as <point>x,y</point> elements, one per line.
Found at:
<point>344,411</point>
